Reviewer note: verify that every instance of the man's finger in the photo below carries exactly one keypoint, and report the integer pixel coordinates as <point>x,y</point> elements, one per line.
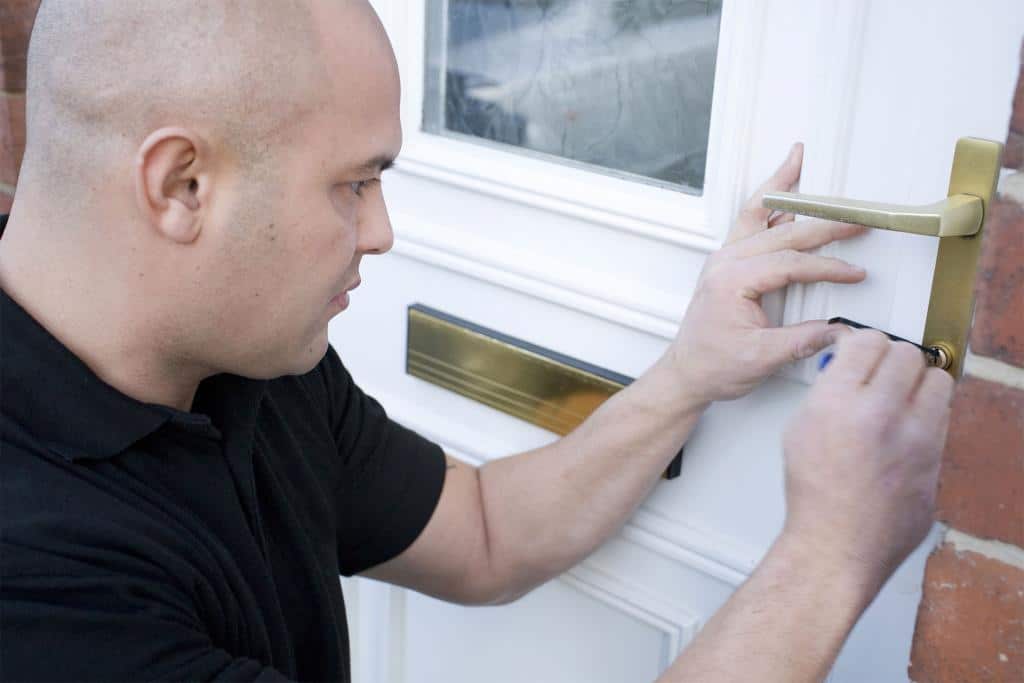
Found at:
<point>784,178</point>
<point>753,217</point>
<point>931,401</point>
<point>857,354</point>
<point>898,374</point>
<point>799,236</point>
<point>780,218</point>
<point>781,345</point>
<point>768,272</point>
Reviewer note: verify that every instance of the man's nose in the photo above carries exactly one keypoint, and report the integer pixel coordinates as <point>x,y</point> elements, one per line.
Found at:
<point>375,234</point>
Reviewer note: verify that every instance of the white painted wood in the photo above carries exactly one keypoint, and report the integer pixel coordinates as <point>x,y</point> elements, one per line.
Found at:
<point>581,292</point>
<point>839,43</point>
<point>350,591</point>
<point>620,203</point>
<point>554,634</point>
<point>602,267</point>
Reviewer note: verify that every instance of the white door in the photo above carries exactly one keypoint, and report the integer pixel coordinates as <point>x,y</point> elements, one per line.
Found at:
<point>567,168</point>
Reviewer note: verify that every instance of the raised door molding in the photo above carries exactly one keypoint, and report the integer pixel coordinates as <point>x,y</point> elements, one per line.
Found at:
<point>840,36</point>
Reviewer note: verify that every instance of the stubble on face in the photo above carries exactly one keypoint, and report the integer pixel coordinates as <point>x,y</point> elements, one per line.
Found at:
<point>296,243</point>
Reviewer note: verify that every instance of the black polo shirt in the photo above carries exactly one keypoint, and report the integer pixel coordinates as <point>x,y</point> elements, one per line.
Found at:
<point>139,542</point>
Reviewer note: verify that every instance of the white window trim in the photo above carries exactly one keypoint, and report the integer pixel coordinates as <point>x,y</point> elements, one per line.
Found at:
<point>655,212</point>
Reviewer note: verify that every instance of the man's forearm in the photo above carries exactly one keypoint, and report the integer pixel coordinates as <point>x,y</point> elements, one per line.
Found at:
<point>785,624</point>
<point>547,509</point>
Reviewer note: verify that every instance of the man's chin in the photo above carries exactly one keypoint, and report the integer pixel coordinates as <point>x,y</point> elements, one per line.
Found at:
<point>313,354</point>
<point>298,362</point>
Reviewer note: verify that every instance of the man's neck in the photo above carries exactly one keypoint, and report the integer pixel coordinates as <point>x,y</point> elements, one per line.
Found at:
<point>94,320</point>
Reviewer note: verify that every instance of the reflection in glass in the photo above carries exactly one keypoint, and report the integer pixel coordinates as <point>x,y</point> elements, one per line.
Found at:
<point>625,85</point>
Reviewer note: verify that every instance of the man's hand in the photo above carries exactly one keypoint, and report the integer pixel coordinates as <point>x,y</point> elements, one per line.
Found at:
<point>863,453</point>
<point>725,346</point>
<point>862,461</point>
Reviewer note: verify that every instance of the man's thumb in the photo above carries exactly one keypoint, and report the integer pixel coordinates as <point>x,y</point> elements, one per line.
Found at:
<point>796,342</point>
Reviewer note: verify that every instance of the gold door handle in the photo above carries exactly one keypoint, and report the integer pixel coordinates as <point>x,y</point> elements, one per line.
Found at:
<point>956,216</point>
<point>959,220</point>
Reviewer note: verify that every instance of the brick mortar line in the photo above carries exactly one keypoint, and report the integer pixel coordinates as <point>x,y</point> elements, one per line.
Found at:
<point>1011,185</point>
<point>995,550</point>
<point>7,189</point>
<point>994,370</point>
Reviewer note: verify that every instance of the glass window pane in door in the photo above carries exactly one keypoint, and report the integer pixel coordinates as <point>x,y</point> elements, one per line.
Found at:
<point>621,86</point>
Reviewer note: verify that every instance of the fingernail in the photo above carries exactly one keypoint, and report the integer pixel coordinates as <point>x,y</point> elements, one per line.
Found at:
<point>825,359</point>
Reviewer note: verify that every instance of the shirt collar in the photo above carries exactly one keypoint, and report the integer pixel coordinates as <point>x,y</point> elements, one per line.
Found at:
<point>55,396</point>
<point>50,392</point>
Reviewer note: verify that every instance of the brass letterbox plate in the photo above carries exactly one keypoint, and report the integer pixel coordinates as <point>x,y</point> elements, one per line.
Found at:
<point>535,384</point>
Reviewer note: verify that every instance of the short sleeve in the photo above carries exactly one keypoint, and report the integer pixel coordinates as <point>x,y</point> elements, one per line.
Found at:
<point>390,477</point>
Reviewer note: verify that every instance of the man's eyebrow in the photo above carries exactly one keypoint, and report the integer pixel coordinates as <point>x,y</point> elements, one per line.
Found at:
<point>377,164</point>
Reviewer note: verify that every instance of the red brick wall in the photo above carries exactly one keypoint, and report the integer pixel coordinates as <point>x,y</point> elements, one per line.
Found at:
<point>15,25</point>
<point>970,625</point>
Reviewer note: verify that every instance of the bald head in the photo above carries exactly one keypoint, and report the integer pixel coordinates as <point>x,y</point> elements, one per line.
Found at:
<point>103,73</point>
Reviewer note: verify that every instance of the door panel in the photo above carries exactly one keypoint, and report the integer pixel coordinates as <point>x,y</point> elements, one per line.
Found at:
<point>476,644</point>
<point>601,268</point>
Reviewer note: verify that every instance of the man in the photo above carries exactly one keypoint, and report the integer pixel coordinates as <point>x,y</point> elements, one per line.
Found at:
<point>187,465</point>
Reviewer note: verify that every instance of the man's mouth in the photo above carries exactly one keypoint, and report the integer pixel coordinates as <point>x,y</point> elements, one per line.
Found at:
<point>341,299</point>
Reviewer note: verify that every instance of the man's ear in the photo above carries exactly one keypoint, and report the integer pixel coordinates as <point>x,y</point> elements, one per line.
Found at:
<point>172,182</point>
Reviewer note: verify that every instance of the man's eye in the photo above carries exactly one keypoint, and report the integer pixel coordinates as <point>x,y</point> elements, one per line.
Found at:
<point>357,187</point>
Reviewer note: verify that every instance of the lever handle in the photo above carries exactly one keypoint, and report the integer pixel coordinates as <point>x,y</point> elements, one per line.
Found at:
<point>959,220</point>
<point>958,215</point>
